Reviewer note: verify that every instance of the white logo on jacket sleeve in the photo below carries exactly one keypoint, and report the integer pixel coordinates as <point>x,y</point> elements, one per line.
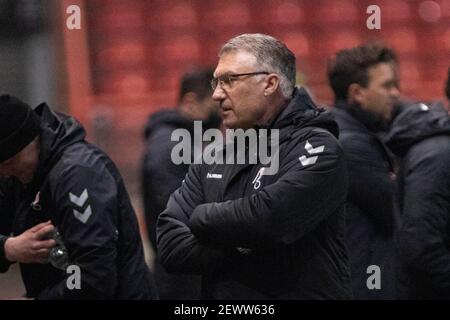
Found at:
<point>311,150</point>
<point>80,202</point>
<point>257,182</point>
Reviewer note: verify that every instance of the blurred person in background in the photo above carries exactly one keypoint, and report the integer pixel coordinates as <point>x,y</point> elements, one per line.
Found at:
<point>161,176</point>
<point>420,136</point>
<point>63,203</point>
<point>263,236</point>
<point>365,84</point>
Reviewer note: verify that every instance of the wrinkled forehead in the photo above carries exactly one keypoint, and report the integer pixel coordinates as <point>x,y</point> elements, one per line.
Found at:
<point>235,61</point>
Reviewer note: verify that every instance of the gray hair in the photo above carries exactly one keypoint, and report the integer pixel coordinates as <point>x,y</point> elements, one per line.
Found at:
<point>270,53</point>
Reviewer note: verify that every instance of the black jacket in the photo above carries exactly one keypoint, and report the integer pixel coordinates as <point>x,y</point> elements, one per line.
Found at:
<point>80,190</point>
<point>280,236</point>
<point>161,177</point>
<point>372,213</point>
<point>421,137</point>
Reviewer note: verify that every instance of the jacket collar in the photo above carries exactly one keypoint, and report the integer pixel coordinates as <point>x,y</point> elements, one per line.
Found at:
<point>370,121</point>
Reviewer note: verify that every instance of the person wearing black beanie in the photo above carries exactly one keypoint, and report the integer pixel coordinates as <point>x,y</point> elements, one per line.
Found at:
<point>19,129</point>
<point>19,125</point>
<point>64,211</point>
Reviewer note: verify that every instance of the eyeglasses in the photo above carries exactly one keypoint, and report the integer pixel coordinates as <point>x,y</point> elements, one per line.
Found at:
<point>227,79</point>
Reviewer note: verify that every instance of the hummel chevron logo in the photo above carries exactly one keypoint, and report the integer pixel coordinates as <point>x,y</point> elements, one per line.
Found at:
<point>312,150</point>
<point>80,202</point>
<point>311,160</point>
<point>244,251</point>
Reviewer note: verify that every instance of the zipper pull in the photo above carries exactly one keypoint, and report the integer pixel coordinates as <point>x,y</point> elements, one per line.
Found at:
<point>35,205</point>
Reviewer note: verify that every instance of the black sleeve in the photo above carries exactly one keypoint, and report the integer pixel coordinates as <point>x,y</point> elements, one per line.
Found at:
<point>303,196</point>
<point>426,218</point>
<point>6,218</point>
<point>178,249</point>
<point>86,203</point>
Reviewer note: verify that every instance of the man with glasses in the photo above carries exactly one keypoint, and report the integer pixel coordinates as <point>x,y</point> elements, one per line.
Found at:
<point>255,236</point>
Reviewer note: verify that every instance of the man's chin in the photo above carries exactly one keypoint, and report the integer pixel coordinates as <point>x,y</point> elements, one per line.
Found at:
<point>229,123</point>
<point>236,125</point>
<point>231,127</point>
<point>233,123</point>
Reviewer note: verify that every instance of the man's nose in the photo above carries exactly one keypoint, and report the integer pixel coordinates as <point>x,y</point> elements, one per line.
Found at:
<point>218,93</point>
<point>395,92</point>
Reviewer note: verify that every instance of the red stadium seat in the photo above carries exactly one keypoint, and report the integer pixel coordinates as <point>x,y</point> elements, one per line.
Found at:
<point>121,54</point>
<point>283,13</point>
<point>343,12</point>
<point>120,17</point>
<point>298,43</point>
<point>403,40</point>
<point>333,40</point>
<point>409,70</point>
<point>125,83</point>
<point>178,14</point>
<point>446,40</point>
<point>445,8</point>
<point>396,11</point>
<point>182,48</point>
<point>226,14</point>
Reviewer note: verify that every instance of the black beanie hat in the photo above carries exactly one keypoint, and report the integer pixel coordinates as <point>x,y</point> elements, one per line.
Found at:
<point>19,125</point>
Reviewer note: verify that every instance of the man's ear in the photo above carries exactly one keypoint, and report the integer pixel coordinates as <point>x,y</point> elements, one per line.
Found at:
<point>356,94</point>
<point>188,104</point>
<point>272,84</point>
<point>188,98</point>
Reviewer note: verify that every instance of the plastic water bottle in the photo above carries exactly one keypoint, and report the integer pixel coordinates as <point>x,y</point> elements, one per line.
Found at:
<point>59,257</point>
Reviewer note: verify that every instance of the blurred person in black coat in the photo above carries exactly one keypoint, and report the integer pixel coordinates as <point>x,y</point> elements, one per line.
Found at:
<point>420,136</point>
<point>365,83</point>
<point>161,176</point>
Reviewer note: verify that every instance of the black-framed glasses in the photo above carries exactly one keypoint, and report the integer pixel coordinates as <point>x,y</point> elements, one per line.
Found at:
<point>227,79</point>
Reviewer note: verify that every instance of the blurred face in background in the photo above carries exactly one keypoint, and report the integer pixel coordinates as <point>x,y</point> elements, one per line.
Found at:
<point>381,93</point>
<point>197,108</point>
<point>23,165</point>
<point>206,107</point>
<point>241,100</point>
